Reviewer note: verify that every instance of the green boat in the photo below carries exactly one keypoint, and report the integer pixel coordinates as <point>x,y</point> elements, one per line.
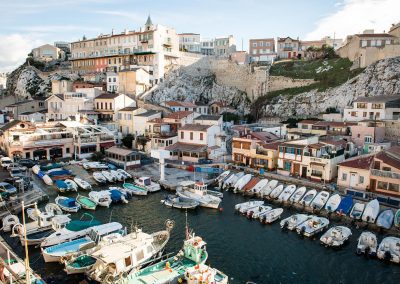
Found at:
<point>397,219</point>
<point>135,189</point>
<point>86,202</point>
<point>172,269</point>
<point>80,264</point>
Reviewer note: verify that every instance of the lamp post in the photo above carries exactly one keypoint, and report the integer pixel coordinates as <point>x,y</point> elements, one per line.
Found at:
<point>27,268</point>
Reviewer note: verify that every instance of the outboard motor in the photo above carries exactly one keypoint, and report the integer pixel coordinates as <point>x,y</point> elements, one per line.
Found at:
<point>388,255</point>
<point>302,230</point>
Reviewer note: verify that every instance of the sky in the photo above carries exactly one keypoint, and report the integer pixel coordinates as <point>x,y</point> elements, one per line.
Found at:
<point>25,24</point>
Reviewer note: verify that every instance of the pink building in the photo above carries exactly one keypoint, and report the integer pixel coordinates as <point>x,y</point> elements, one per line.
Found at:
<point>367,132</point>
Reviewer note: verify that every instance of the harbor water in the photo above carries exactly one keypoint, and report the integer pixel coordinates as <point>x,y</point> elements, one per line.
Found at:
<point>243,249</point>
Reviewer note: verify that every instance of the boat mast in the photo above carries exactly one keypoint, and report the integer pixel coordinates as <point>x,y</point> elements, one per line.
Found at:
<point>186,226</point>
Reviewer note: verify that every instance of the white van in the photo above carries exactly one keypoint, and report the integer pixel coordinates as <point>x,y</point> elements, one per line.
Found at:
<point>5,162</point>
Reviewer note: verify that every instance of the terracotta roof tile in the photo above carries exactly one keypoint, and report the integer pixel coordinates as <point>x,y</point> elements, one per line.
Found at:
<point>361,162</point>
<point>179,114</point>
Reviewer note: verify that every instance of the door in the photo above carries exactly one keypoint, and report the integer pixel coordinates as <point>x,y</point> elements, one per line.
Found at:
<point>304,172</point>
<point>353,179</point>
<point>296,168</point>
<point>289,54</point>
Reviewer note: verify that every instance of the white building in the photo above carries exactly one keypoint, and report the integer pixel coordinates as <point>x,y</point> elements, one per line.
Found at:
<point>189,42</point>
<point>47,52</point>
<point>62,106</point>
<point>224,46</point>
<point>207,46</point>
<point>3,81</point>
<point>112,82</point>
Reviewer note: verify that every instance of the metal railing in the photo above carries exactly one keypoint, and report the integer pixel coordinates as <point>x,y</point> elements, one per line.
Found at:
<point>385,174</point>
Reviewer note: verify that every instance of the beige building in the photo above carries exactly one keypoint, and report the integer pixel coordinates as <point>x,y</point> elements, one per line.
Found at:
<point>262,50</point>
<point>62,106</point>
<point>288,48</point>
<point>134,81</point>
<point>15,109</point>
<point>61,86</point>
<point>132,120</point>
<point>355,172</point>
<point>47,52</point>
<point>107,105</point>
<point>224,46</point>
<point>189,42</point>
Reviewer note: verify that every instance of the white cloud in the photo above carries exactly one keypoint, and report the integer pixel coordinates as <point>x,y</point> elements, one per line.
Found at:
<point>14,49</point>
<point>354,16</point>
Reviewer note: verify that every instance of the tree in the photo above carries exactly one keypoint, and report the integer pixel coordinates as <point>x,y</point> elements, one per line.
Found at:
<point>127,141</point>
<point>142,141</point>
<point>97,156</point>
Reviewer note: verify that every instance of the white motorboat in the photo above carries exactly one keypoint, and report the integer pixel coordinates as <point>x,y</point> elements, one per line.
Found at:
<point>117,175</point>
<point>312,226</point>
<point>231,181</point>
<point>148,184</point>
<point>102,198</point>
<point>242,182</point>
<point>298,195</point>
<point>82,183</point>
<point>333,203</point>
<point>294,221</point>
<point>9,222</point>
<point>286,193</point>
<point>108,176</point>
<point>357,211</point>
<point>198,192</point>
<point>94,166</point>
<point>371,211</point>
<point>269,188</point>
<point>242,207</point>
<point>389,249</point>
<point>308,197</point>
<point>258,187</point>
<point>72,186</point>
<point>124,173</point>
<point>98,176</point>
<point>385,219</point>
<point>257,212</point>
<point>276,192</point>
<point>367,244</point>
<point>67,204</point>
<point>271,216</point>
<point>336,236</point>
<point>198,273</point>
<point>222,176</point>
<point>320,200</point>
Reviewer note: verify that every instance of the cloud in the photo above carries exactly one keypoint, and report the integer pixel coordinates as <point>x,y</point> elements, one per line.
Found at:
<point>354,16</point>
<point>14,49</point>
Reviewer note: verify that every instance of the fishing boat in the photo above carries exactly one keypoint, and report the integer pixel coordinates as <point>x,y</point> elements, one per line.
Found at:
<point>98,176</point>
<point>250,185</point>
<point>269,188</point>
<point>292,222</point>
<point>357,211</point>
<point>336,236</point>
<point>345,205</point>
<point>69,248</point>
<point>172,269</point>
<point>198,192</point>
<point>115,261</point>
<point>397,219</point>
<point>117,196</point>
<point>242,182</point>
<point>117,175</point>
<point>333,203</point>
<point>148,184</point>
<point>259,211</point>
<point>86,202</point>
<point>286,193</point>
<point>75,229</point>
<point>320,200</point>
<point>67,204</point>
<point>176,201</point>
<point>205,274</point>
<point>215,193</point>
<point>389,249</point>
<point>62,186</point>
<point>312,226</point>
<point>367,244</point>
<point>231,181</point>
<point>385,219</point>
<point>257,188</point>
<point>102,198</point>
<point>127,193</point>
<point>124,173</point>
<point>308,197</point>
<point>108,176</point>
<point>82,183</point>
<point>72,186</point>
<point>271,216</point>
<point>242,207</point>
<point>371,211</point>
<point>135,189</point>
<point>276,192</point>
<point>298,195</point>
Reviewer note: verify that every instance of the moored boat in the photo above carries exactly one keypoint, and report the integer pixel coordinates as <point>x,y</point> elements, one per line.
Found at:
<point>298,195</point>
<point>205,274</point>
<point>241,207</point>
<point>108,176</point>
<point>389,249</point>
<point>118,176</point>
<point>320,200</point>
<point>72,186</point>
<point>367,243</point>
<point>397,219</point>
<point>102,198</point>
<point>148,184</point>
<point>231,181</point>
<point>287,193</point>
<point>371,211</point>
<point>294,221</point>
<point>98,176</point>
<point>357,211</point>
<point>124,173</point>
<point>198,192</point>
<point>258,187</point>
<point>336,236</point>
<point>86,202</point>
<point>268,188</point>
<point>67,204</point>
<point>62,186</point>
<point>257,212</point>
<point>385,219</point>
<point>333,203</point>
<point>117,196</point>
<point>135,189</point>
<point>250,185</point>
<point>312,226</point>
<point>79,264</point>
<point>345,205</point>
<point>82,183</point>
<point>175,201</point>
<point>242,182</point>
<point>308,197</point>
<point>276,192</point>
<point>271,216</point>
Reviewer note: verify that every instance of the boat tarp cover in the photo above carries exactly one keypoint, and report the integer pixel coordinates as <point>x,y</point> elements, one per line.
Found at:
<point>60,173</point>
<point>345,205</point>
<point>50,166</point>
<point>86,201</point>
<point>78,225</point>
<point>83,261</point>
<point>116,195</point>
<point>61,184</point>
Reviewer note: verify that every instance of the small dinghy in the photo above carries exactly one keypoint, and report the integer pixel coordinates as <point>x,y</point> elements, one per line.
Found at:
<point>397,219</point>
<point>79,264</point>
<point>345,206</point>
<point>269,188</point>
<point>336,236</point>
<point>222,176</point>
<point>389,249</point>
<point>231,181</point>
<point>250,185</point>
<point>242,207</point>
<point>298,195</point>
<point>134,189</point>
<point>357,211</point>
<point>276,192</point>
<point>82,183</point>
<point>124,173</point>
<point>257,188</point>
<point>286,193</point>
<point>175,201</point>
<point>62,186</point>
<point>259,211</point>
<point>385,219</point>
<point>367,244</point>
<point>102,198</point>
<point>308,197</point>
<point>242,182</point>
<point>72,186</point>
<point>320,200</point>
<point>148,184</point>
<point>67,204</point>
<point>108,176</point>
<point>312,226</point>
<point>371,211</point>
<point>333,203</point>
<point>117,175</point>
<point>292,222</point>
<point>86,202</point>
<point>9,222</point>
<point>215,193</point>
<point>98,176</point>
<point>53,208</point>
<point>271,216</point>
<point>117,196</point>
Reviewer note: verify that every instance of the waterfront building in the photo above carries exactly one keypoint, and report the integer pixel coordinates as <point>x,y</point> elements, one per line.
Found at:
<point>189,42</point>
<point>373,108</point>
<point>123,157</point>
<point>354,173</point>
<point>132,120</point>
<point>262,50</point>
<point>48,52</point>
<point>288,48</point>
<point>108,104</point>
<point>161,133</point>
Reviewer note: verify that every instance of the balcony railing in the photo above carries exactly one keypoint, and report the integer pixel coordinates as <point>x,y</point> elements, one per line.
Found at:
<point>385,174</point>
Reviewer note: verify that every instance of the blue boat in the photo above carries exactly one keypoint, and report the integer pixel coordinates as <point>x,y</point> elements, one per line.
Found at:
<point>117,196</point>
<point>60,173</point>
<point>67,204</point>
<point>345,205</point>
<point>61,186</point>
<point>385,219</point>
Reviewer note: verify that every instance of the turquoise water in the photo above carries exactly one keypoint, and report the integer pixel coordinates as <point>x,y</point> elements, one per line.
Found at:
<point>243,249</point>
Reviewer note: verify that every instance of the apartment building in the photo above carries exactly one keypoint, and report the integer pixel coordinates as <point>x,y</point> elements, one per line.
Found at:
<point>107,105</point>
<point>373,108</point>
<point>189,42</point>
<point>161,133</point>
<point>155,46</point>
<point>207,46</point>
<point>288,48</point>
<point>132,120</point>
<point>262,50</point>
<point>32,105</point>
<point>63,106</point>
<point>366,133</point>
<point>112,82</point>
<point>224,46</point>
<point>321,128</point>
<point>133,81</point>
<point>179,106</point>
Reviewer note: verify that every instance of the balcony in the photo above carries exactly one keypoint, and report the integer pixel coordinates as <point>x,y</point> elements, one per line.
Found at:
<point>385,174</point>
<point>288,48</point>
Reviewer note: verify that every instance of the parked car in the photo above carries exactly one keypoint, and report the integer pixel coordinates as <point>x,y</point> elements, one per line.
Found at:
<point>17,172</point>
<point>5,162</point>
<point>6,187</point>
<point>17,181</point>
<point>29,163</point>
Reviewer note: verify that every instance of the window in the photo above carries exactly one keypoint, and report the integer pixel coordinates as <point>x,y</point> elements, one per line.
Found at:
<point>378,42</point>
<point>368,139</point>
<point>373,42</point>
<point>316,173</point>
<point>67,150</point>
<point>388,41</point>
<point>361,105</point>
<point>364,114</point>
<point>288,166</point>
<point>182,135</point>
<point>101,105</point>
<point>110,105</point>
<point>393,187</point>
<point>201,136</point>
<point>382,185</point>
<point>354,114</point>
<point>254,44</point>
<point>344,176</point>
<point>363,43</point>
<point>191,135</point>
<point>388,169</point>
<point>298,151</point>
<point>360,179</point>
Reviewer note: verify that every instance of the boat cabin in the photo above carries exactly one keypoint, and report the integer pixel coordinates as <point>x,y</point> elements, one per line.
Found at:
<point>194,248</point>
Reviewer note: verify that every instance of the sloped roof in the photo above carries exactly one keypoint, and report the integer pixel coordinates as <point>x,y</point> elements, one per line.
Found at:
<point>377,99</point>
<point>107,96</point>
<point>361,162</point>
<point>10,125</point>
<point>148,113</point>
<point>186,147</point>
<point>179,114</point>
<point>195,127</point>
<point>208,117</point>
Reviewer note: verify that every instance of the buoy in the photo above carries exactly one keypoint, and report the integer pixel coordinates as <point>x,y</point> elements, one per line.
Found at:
<point>221,209</point>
